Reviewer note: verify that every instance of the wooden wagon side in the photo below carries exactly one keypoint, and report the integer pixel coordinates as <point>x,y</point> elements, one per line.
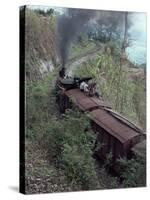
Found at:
<point>115,133</point>
<point>116,136</point>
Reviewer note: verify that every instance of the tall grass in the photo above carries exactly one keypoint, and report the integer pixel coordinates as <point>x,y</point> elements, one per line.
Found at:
<point>125,95</point>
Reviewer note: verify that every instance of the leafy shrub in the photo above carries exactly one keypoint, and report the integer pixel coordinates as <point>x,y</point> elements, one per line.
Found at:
<point>68,145</point>
<point>39,106</point>
<point>77,154</point>
<point>133,172</point>
<point>70,148</point>
<point>115,49</point>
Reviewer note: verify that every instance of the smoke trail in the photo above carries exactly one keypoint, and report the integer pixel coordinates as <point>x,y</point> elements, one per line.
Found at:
<point>73,22</point>
<point>68,26</point>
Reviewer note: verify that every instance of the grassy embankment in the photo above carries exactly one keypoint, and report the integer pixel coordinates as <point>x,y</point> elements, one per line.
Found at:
<point>58,150</point>
<point>125,94</point>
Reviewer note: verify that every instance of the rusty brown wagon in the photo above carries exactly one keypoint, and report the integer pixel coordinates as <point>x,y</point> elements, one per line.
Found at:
<point>116,134</point>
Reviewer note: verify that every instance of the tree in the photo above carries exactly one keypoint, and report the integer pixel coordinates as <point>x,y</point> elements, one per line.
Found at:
<point>125,42</point>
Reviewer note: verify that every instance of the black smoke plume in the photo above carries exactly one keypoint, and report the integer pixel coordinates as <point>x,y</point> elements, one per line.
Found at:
<point>71,23</point>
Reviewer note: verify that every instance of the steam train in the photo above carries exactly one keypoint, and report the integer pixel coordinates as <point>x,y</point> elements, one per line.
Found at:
<point>116,134</point>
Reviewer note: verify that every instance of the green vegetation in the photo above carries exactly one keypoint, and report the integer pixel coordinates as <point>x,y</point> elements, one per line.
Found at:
<point>59,151</point>
<point>59,147</point>
<point>67,145</point>
<point>82,47</point>
<point>45,13</point>
<point>71,149</point>
<point>124,94</point>
<point>40,47</point>
<point>133,172</point>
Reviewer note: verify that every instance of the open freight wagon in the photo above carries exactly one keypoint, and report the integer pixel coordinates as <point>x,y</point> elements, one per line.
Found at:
<point>115,134</point>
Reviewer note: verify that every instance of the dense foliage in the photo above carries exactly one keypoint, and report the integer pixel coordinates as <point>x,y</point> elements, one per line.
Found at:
<point>59,147</point>
<point>133,172</point>
<point>68,146</point>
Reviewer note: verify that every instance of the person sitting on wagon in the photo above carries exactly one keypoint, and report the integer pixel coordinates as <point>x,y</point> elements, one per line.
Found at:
<point>93,91</point>
<point>62,72</point>
<point>84,86</point>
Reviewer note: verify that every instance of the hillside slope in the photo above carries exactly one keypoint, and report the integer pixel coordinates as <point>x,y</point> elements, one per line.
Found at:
<point>124,87</point>
<point>40,46</point>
